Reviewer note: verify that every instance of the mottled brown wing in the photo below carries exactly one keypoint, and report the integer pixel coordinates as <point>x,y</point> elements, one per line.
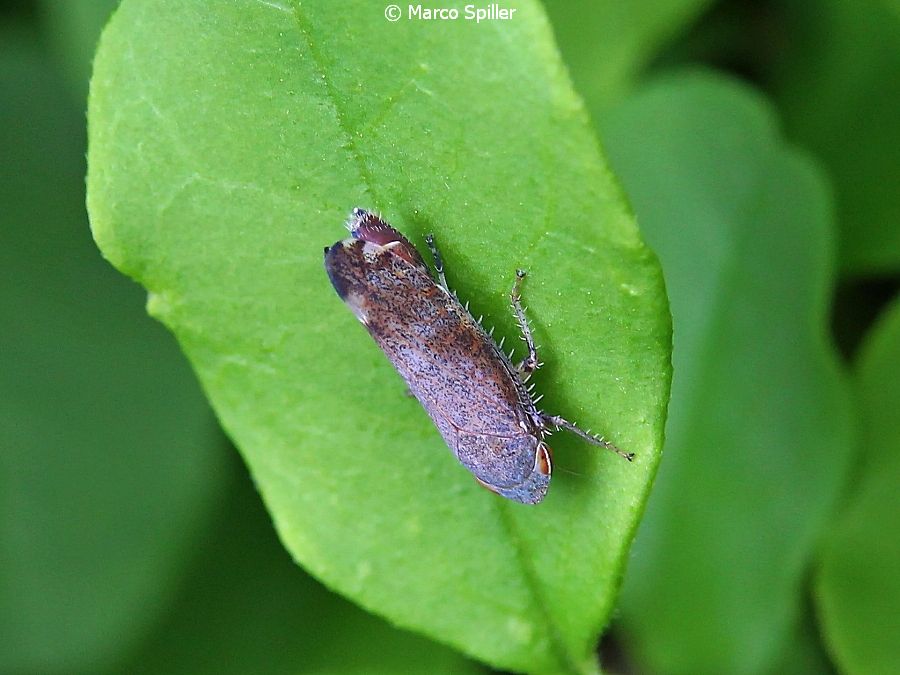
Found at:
<point>449,363</point>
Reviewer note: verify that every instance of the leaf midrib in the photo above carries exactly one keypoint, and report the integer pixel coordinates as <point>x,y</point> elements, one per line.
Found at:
<point>558,647</point>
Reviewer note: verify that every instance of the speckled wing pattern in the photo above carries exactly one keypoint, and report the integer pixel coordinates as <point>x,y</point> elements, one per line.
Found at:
<point>449,362</point>
<point>471,391</point>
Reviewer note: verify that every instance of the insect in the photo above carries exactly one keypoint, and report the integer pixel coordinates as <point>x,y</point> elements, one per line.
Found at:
<point>476,397</point>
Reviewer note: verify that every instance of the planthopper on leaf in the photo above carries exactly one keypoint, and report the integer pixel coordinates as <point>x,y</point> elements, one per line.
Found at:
<point>471,390</point>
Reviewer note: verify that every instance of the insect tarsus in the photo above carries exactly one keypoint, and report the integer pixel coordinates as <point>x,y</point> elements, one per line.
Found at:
<point>531,363</point>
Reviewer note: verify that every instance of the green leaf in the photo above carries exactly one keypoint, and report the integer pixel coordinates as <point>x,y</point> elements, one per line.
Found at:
<point>110,457</point>
<point>607,44</point>
<point>759,434</point>
<point>217,186</point>
<point>246,608</point>
<point>803,652</point>
<point>839,87</point>
<point>858,588</point>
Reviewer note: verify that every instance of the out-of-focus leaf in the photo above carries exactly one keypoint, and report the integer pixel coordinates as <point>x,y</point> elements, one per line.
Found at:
<point>759,432</point>
<point>110,457</point>
<point>839,87</point>
<point>217,185</point>
<point>245,607</point>
<point>607,43</point>
<point>858,585</point>
<point>71,28</point>
<point>803,653</point>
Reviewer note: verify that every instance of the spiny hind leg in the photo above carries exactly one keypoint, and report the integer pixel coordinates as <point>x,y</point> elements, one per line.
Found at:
<point>560,423</point>
<point>530,363</point>
<point>438,260</point>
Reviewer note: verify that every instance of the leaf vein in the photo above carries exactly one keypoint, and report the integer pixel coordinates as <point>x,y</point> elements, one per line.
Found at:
<point>532,581</point>
<point>305,29</point>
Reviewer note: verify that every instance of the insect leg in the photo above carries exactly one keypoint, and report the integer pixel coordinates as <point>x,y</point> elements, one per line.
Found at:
<point>438,261</point>
<point>560,423</point>
<point>530,363</point>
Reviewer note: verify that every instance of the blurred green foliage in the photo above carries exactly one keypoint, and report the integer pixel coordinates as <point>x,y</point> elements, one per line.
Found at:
<point>608,45</point>
<point>858,584</point>
<point>111,460</point>
<point>70,29</point>
<point>759,432</point>
<point>838,87</point>
<point>131,541</point>
<point>761,438</point>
